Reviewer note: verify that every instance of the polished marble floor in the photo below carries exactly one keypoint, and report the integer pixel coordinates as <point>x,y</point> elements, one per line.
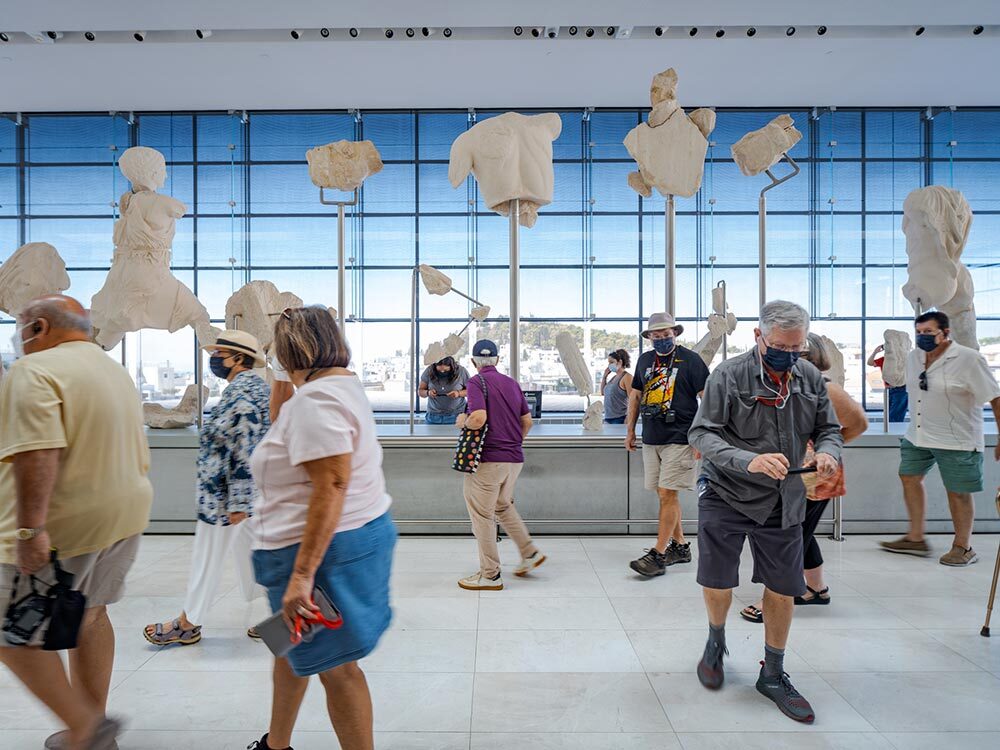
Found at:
<point>583,655</point>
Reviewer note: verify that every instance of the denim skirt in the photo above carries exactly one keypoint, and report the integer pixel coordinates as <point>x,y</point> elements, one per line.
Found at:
<point>355,574</point>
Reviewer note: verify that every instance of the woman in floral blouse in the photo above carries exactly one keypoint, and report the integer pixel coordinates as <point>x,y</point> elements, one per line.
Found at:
<point>226,491</point>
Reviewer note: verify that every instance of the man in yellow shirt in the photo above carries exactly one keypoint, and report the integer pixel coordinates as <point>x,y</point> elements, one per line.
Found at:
<point>71,426</point>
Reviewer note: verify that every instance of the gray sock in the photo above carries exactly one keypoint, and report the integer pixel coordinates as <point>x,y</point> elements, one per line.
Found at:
<point>717,633</point>
<point>774,661</point>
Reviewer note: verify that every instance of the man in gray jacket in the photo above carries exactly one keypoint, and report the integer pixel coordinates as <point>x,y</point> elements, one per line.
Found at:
<point>758,413</point>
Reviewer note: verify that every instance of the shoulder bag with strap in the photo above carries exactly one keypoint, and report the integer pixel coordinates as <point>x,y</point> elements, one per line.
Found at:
<point>469,450</point>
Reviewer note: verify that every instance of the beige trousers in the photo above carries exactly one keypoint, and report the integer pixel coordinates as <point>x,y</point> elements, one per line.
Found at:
<point>489,495</point>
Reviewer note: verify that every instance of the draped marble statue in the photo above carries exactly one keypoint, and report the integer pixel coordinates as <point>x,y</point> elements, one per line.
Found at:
<point>33,270</point>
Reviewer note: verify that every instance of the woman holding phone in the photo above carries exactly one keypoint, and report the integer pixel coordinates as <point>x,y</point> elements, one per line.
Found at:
<point>323,522</point>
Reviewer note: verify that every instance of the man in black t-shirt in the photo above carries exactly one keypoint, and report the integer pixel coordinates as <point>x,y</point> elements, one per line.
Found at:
<point>664,392</point>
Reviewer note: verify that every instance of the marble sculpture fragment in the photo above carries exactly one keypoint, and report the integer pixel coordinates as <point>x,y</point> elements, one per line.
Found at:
<point>139,291</point>
<point>343,165</point>
<point>836,373</point>
<point>897,346</point>
<point>33,270</point>
<point>593,420</point>
<point>761,149</point>
<point>575,364</point>
<point>721,323</point>
<point>670,146</point>
<point>510,156</point>
<point>254,308</point>
<point>435,282</point>
<point>438,350</point>
<point>936,222</point>
<point>159,417</point>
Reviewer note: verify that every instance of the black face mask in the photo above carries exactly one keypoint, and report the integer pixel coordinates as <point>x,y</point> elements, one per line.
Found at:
<point>217,365</point>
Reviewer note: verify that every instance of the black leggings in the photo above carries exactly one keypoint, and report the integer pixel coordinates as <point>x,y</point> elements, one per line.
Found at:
<point>811,555</point>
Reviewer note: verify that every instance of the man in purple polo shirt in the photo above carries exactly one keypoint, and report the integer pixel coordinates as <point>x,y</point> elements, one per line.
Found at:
<point>489,492</point>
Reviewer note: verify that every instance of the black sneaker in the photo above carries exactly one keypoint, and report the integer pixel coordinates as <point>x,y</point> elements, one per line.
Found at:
<point>677,553</point>
<point>710,671</point>
<point>788,700</point>
<point>261,744</point>
<point>653,563</point>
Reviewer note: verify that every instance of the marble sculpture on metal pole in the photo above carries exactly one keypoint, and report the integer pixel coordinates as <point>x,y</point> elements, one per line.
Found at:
<point>836,373</point>
<point>185,414</point>
<point>936,222</point>
<point>721,323</point>
<point>343,165</point>
<point>255,306</point>
<point>670,146</point>
<point>33,270</point>
<point>438,283</point>
<point>510,156</point>
<point>897,346</point>
<point>140,292</point>
<point>580,375</point>
<point>761,149</point>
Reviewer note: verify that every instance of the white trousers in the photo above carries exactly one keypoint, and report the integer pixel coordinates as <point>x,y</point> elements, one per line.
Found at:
<point>212,544</point>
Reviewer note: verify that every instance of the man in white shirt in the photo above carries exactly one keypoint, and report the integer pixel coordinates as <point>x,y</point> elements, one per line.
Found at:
<point>947,385</point>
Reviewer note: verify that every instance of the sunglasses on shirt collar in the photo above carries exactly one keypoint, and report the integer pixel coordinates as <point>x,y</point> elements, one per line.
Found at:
<point>923,380</point>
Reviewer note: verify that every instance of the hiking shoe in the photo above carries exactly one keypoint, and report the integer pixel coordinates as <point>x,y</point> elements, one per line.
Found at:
<point>60,741</point>
<point>904,546</point>
<point>653,563</point>
<point>261,744</point>
<point>479,582</point>
<point>528,564</point>
<point>788,700</point>
<point>710,671</point>
<point>959,557</point>
<point>677,553</point>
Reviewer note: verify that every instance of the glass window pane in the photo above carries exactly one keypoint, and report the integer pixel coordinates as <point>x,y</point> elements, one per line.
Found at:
<point>733,125</point>
<point>318,287</point>
<point>654,297</point>
<point>976,133</point>
<point>381,357</point>
<point>219,240</point>
<point>839,292</point>
<point>438,130</point>
<point>389,241</point>
<point>80,242</point>
<point>839,135</point>
<point>554,239</point>
<point>551,293</point>
<point>171,135</point>
<point>283,189</point>
<point>884,239</point>
<point>444,240</point>
<point>685,239</point>
<point>887,183</point>
<point>883,289</point>
<point>287,137</point>
<point>73,191</point>
<point>220,189</point>
<point>75,138</point>
<point>893,135</point>
<point>220,138</point>
<point>567,194</point>
<point>615,239</point>
<point>615,292</point>
<point>838,236</point>
<point>391,133</point>
<point>8,141</point>
<point>977,181</point>
<point>569,144</point>
<point>609,187</point>
<point>8,237</point>
<point>387,294</point>
<point>839,182</point>
<point>608,130</point>
<point>437,196</point>
<point>735,192</point>
<point>8,191</point>
<point>297,241</point>
<point>846,336</point>
<point>391,191</point>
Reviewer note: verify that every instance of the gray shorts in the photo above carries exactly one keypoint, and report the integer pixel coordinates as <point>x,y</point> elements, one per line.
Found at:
<point>777,552</point>
<point>100,576</point>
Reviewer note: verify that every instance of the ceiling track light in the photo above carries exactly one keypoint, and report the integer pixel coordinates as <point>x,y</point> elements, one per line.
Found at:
<point>536,32</point>
<point>919,30</point>
<point>551,32</point>
<point>573,30</point>
<point>89,36</point>
<point>54,35</point>
<point>751,31</point>
<point>977,30</point>
<point>820,30</point>
<point>295,34</point>
<point>610,31</point>
<point>659,30</point>
<point>518,30</point>
<point>589,33</point>
<point>4,37</point>
<point>139,36</point>
<point>790,31</point>
<point>720,33</point>
<point>389,33</point>
<point>446,33</point>
<point>426,31</point>
<point>324,32</point>
<point>693,31</point>
<point>410,33</point>
<point>206,33</point>
<point>353,32</point>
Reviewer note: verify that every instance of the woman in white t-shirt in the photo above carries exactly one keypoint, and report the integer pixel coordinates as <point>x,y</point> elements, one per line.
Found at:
<point>323,522</point>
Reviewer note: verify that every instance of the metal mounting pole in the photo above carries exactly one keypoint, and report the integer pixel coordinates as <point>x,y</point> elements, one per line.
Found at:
<point>413,347</point>
<point>725,337</point>
<point>515,278</point>
<point>837,534</point>
<point>341,253</point>
<point>885,407</point>
<point>762,224</point>
<point>670,264</point>
<point>199,378</point>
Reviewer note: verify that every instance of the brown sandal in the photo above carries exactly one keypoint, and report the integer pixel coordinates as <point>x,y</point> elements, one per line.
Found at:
<point>751,614</point>
<point>175,635</point>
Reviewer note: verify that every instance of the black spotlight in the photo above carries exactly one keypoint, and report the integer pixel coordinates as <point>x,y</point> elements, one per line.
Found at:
<point>139,36</point>
<point>446,33</point>
<point>976,31</point>
<point>325,33</point>
<point>920,30</point>
<point>658,31</point>
<point>790,31</point>
<point>518,30</point>
<point>425,31</point>
<point>720,33</point>
<point>53,35</point>
<point>693,31</point>
<point>589,33</point>
<point>536,32</point>
<point>821,30</point>
<point>573,30</point>
<point>389,33</point>
<point>610,31</point>
<point>295,34</point>
<point>206,33</point>
<point>89,36</point>
<point>4,37</point>
<point>751,31</point>
<point>410,33</point>
<point>353,33</point>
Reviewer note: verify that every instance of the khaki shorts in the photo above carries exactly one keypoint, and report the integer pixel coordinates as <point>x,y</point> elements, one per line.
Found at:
<point>100,576</point>
<point>669,467</point>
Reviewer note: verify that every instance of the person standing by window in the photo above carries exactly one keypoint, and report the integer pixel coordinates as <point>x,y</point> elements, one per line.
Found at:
<point>665,392</point>
<point>898,400</point>
<point>443,384</point>
<point>615,386</point>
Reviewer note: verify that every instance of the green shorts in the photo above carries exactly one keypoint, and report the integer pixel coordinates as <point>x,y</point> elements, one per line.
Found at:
<point>961,471</point>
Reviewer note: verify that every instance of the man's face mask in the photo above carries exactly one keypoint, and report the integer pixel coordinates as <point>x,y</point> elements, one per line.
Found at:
<point>19,342</point>
<point>663,346</point>
<point>778,359</point>
<point>927,341</point>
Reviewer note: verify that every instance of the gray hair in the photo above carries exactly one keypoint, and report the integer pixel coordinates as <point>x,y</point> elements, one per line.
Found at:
<point>58,316</point>
<point>481,362</point>
<point>784,315</point>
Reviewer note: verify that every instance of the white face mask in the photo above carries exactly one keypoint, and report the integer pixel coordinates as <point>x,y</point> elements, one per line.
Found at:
<point>613,367</point>
<point>18,342</point>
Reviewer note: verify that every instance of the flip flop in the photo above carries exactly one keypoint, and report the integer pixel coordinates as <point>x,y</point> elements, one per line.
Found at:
<point>818,597</point>
<point>751,614</point>
<point>252,633</point>
<point>175,635</point>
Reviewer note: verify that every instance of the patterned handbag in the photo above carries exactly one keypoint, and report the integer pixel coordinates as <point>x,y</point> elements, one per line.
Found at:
<point>469,450</point>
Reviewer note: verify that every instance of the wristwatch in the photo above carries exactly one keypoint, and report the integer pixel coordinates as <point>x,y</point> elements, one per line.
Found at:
<point>24,535</point>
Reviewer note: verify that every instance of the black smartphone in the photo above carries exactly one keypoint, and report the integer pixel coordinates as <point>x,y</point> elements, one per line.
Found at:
<point>803,470</point>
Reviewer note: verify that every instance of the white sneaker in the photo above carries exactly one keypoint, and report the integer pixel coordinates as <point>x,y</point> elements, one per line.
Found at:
<point>528,564</point>
<point>479,582</point>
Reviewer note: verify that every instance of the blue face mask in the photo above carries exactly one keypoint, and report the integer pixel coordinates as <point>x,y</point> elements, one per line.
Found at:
<point>663,346</point>
<point>927,341</point>
<point>780,361</point>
